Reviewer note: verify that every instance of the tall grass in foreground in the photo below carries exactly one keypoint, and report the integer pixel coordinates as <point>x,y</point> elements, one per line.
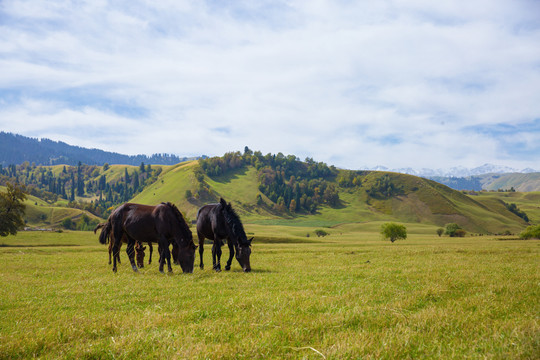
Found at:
<point>353,296</point>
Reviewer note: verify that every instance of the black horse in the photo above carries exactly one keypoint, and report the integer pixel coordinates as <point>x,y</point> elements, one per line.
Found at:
<point>218,222</point>
<point>162,224</point>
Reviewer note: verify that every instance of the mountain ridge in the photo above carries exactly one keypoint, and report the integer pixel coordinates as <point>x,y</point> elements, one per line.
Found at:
<point>16,149</point>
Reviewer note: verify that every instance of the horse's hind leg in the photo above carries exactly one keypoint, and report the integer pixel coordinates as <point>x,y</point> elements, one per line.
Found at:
<point>231,255</point>
<point>117,242</point>
<point>131,253</point>
<point>151,251</point>
<point>216,254</point>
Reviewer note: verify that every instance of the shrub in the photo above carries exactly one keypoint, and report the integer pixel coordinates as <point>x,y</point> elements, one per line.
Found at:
<point>451,229</point>
<point>460,233</point>
<point>67,223</point>
<point>320,233</point>
<point>531,232</point>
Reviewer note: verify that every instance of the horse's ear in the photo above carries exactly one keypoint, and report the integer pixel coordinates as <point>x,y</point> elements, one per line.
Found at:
<point>250,240</point>
<point>144,248</point>
<point>222,202</point>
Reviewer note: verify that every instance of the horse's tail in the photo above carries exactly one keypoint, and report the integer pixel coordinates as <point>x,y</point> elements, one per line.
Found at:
<point>99,226</point>
<point>105,232</point>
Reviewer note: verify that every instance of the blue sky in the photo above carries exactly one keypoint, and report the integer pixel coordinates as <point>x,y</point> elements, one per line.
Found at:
<point>420,84</point>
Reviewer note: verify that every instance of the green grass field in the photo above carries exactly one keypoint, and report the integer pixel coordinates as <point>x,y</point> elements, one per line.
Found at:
<point>350,295</point>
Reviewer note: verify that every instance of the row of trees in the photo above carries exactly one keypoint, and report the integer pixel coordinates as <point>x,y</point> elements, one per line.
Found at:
<point>514,209</point>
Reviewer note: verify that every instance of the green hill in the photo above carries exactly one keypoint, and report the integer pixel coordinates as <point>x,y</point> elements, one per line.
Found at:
<point>419,201</point>
<point>40,214</point>
<point>294,194</point>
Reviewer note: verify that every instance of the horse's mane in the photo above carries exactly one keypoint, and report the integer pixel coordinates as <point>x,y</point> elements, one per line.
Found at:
<point>233,220</point>
<point>178,215</point>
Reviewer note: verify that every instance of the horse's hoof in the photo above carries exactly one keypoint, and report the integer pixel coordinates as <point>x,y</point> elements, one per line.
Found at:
<point>135,269</point>
<point>201,266</point>
<point>227,268</point>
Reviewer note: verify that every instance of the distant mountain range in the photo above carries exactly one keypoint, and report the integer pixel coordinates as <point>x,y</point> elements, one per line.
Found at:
<point>459,172</point>
<point>16,149</point>
<point>486,177</point>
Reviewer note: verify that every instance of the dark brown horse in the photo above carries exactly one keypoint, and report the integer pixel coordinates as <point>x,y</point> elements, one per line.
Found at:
<point>218,222</point>
<point>162,224</point>
<point>139,248</point>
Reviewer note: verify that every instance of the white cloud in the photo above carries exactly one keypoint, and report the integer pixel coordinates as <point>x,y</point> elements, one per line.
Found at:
<point>397,83</point>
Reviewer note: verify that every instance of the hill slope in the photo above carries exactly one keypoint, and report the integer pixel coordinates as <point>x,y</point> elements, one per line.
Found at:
<point>419,201</point>
<point>520,182</point>
<point>360,197</point>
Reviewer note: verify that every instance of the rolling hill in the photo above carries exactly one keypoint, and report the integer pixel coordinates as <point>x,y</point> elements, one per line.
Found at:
<point>528,182</point>
<point>39,214</point>
<point>420,201</point>
<point>413,200</point>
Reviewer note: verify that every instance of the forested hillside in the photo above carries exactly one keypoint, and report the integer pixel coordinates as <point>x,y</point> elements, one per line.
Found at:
<point>290,184</point>
<point>88,187</point>
<point>16,149</point>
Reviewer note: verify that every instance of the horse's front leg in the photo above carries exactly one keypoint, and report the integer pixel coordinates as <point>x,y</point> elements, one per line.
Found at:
<point>169,259</point>
<point>151,251</point>
<point>110,253</point>
<point>216,254</point>
<point>131,253</point>
<point>201,249</point>
<point>231,254</point>
<point>164,254</point>
<point>175,253</point>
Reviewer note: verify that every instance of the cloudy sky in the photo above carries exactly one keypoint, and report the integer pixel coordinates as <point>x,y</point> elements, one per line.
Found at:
<point>356,84</point>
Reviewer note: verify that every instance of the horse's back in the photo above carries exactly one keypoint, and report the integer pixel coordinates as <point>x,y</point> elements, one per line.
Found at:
<point>138,221</point>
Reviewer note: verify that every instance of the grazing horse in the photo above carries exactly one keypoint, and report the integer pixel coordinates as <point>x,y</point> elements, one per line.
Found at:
<point>139,249</point>
<point>218,222</point>
<point>162,224</point>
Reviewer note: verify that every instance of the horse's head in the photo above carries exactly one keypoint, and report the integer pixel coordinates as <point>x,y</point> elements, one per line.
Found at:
<point>243,252</point>
<point>236,233</point>
<point>139,252</point>
<point>186,256</point>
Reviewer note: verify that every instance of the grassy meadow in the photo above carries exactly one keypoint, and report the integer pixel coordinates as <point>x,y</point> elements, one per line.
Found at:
<point>349,295</point>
